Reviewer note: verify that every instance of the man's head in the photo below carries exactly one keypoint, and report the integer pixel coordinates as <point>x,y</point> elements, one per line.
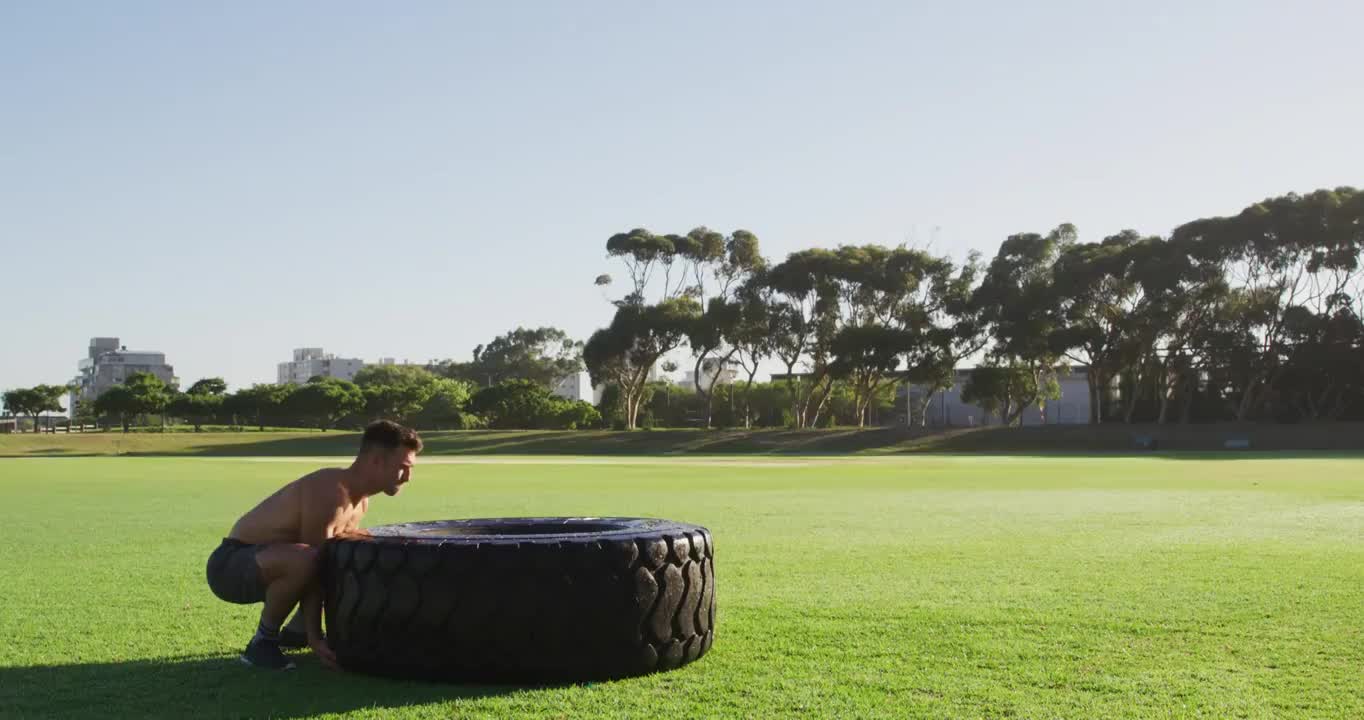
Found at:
<point>387,451</point>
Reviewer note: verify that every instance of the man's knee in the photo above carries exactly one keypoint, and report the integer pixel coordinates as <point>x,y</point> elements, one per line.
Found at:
<point>307,554</point>
<point>302,559</point>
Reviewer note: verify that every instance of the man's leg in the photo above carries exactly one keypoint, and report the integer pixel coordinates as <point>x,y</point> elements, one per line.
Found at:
<point>294,634</point>
<point>287,571</point>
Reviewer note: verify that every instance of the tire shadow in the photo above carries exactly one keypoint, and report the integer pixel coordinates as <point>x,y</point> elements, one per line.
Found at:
<point>215,686</point>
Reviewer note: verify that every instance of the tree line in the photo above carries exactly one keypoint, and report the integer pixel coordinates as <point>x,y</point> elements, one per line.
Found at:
<point>1255,316</point>
<point>506,385</point>
<point>414,395</point>
<point>34,401</point>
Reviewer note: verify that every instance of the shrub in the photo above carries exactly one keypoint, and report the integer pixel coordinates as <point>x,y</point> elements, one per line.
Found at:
<point>577,415</point>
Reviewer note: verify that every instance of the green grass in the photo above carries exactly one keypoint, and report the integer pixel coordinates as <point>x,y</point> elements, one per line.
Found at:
<point>1338,437</point>
<point>480,442</point>
<point>912,587</point>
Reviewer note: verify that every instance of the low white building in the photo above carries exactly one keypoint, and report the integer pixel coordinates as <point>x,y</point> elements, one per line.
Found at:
<point>578,386</point>
<point>946,409</point>
<point>312,362</point>
<point>393,362</point>
<point>709,375</point>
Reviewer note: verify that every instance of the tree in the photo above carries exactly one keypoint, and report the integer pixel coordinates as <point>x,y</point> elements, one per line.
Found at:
<point>257,403</point>
<point>398,402</point>
<point>890,299</point>
<point>640,333</point>
<point>1180,300</point>
<point>638,336</point>
<point>714,335</point>
<point>641,251</point>
<point>855,314</point>
<point>398,392</point>
<point>35,401</point>
<point>1281,253</point>
<point>49,398</point>
<point>85,414</point>
<point>371,375</point>
<point>949,330</point>
<point>201,403</point>
<point>702,250</point>
<point>1021,306</point>
<point>752,336</point>
<point>151,392</point>
<point>863,356</point>
<point>121,402</point>
<point>22,401</point>
<point>323,402</point>
<point>515,404</point>
<point>1005,391</point>
<point>197,408</point>
<point>1099,323</point>
<point>709,332</point>
<point>1250,316</point>
<point>445,408</point>
<point>804,323</point>
<point>544,355</point>
<point>575,414</point>
<point>1324,362</point>
<point>208,386</point>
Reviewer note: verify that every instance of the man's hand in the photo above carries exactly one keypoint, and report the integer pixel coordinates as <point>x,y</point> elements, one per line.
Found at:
<point>324,651</point>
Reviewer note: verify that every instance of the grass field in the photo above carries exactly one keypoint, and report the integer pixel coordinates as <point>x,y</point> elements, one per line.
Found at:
<point>898,587</point>
<point>1052,439</point>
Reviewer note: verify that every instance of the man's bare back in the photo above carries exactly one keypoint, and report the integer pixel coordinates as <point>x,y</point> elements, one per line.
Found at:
<point>281,517</point>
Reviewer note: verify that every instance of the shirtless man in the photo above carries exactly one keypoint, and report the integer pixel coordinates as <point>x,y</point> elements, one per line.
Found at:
<point>271,554</point>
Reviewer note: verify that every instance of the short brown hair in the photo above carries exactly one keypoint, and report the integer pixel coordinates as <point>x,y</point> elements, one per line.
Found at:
<point>389,435</point>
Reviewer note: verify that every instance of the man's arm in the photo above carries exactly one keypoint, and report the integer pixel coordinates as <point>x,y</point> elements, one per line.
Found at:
<point>355,528</point>
<point>324,505</point>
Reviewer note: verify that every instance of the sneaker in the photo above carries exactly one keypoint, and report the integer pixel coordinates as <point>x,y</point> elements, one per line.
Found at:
<point>264,654</point>
<point>292,639</point>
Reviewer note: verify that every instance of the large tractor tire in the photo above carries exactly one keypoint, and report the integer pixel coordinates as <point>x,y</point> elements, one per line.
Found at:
<point>520,599</point>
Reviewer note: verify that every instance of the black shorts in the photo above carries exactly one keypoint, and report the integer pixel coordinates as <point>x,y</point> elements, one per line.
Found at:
<point>233,574</point>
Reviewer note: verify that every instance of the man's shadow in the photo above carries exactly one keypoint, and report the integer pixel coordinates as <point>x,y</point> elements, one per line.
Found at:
<point>213,686</point>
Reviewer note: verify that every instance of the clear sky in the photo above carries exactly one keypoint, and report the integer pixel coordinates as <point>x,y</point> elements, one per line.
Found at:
<point>226,182</point>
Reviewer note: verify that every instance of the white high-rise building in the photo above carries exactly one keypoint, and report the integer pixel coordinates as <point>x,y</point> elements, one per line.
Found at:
<point>309,363</point>
<point>108,363</point>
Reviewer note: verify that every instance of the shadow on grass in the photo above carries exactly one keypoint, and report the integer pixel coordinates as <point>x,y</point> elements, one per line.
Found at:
<point>62,451</point>
<point>548,442</point>
<point>1218,441</point>
<point>1211,442</point>
<point>44,453</point>
<point>218,686</point>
